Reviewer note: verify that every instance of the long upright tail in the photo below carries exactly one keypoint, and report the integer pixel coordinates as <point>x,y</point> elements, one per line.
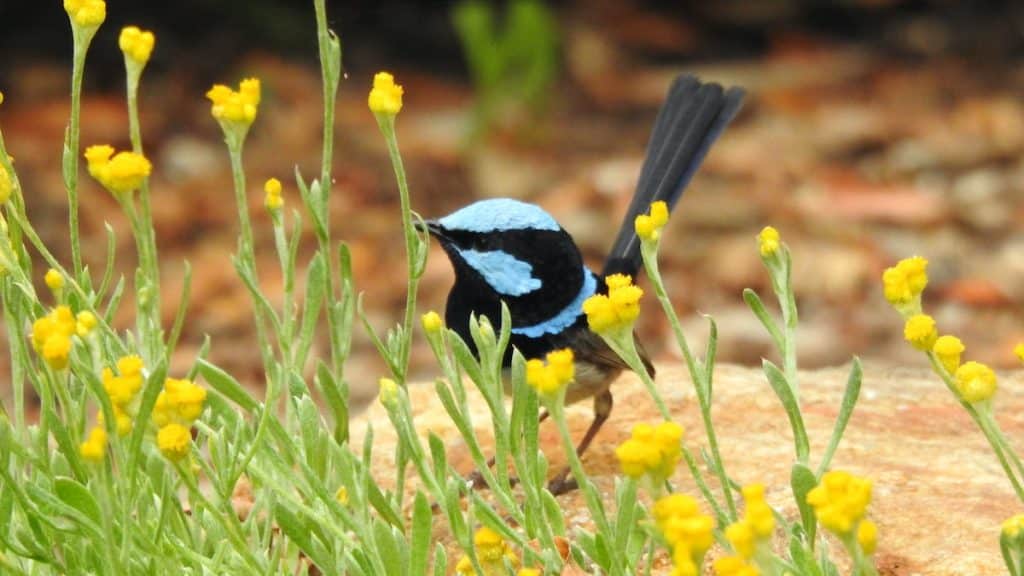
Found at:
<point>689,122</point>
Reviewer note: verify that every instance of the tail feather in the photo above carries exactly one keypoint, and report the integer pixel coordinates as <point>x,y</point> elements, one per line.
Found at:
<point>692,118</point>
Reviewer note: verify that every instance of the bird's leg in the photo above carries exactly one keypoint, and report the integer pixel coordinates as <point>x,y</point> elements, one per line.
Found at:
<point>477,477</point>
<point>602,409</point>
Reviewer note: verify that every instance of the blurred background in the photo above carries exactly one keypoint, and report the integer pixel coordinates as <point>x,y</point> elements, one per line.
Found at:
<point>874,130</point>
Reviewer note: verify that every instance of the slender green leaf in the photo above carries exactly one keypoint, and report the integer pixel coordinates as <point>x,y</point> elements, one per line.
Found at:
<point>78,497</point>
<point>226,385</point>
<point>757,307</point>
<point>802,481</point>
<point>850,397</point>
<point>785,393</point>
<point>421,528</point>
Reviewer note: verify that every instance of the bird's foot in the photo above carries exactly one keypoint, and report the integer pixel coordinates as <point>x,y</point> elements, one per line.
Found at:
<point>562,483</point>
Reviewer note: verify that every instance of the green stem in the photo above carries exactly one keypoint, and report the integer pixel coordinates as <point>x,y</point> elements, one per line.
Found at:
<point>82,39</point>
<point>701,379</point>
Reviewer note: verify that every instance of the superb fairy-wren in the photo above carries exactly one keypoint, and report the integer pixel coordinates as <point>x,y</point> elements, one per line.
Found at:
<point>509,251</point>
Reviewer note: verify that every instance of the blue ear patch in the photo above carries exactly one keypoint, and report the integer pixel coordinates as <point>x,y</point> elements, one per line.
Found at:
<point>505,273</point>
<point>499,214</point>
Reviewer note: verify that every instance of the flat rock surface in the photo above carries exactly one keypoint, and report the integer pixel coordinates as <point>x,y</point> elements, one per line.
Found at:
<point>939,492</point>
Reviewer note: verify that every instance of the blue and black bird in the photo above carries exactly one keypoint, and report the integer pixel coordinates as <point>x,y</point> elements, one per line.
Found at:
<point>504,250</point>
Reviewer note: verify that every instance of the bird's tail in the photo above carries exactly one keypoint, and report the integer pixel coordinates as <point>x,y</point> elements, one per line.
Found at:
<point>689,122</point>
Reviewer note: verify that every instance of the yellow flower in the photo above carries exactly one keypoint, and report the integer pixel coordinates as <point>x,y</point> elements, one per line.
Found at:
<point>648,226</point>
<point>617,311</point>
<point>122,388</point>
<point>867,536</point>
<point>342,496</point>
<point>1019,351</point>
<point>432,323</point>
<point>6,186</point>
<point>551,377</point>
<point>86,13</point>
<point>123,421</point>
<point>768,241</point>
<point>54,280</point>
<point>1013,526</point>
<point>136,44</point>
<point>528,572</point>
<point>388,394</point>
<point>273,199</point>
<point>491,551</point>
<point>121,173</point>
<point>756,526</point>
<point>840,500</point>
<point>688,532</point>
<point>651,450</point>
<point>920,331</point>
<point>904,282</point>
<point>95,446</point>
<point>948,350</point>
<point>734,566</point>
<point>51,336</point>
<point>386,96</point>
<point>174,441</point>
<point>85,321</point>
<point>239,107</point>
<point>975,382</point>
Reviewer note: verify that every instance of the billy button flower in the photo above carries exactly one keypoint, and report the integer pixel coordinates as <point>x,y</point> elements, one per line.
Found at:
<point>122,421</point>
<point>51,336</point>
<point>648,226</point>
<point>757,525</point>
<point>768,242</point>
<point>174,441</point>
<point>85,321</point>
<point>86,13</point>
<point>653,451</point>
<point>840,501</point>
<point>432,322</point>
<point>387,393</point>
<point>54,281</point>
<point>975,382</point>
<point>6,185</point>
<point>1018,350</point>
<point>273,199</point>
<point>120,174</point>
<point>550,378</point>
<point>124,386</point>
<point>386,97</point>
<point>178,405</point>
<point>136,44</point>
<point>492,552</point>
<point>734,566</point>
<point>235,108</point>
<point>614,314</point>
<point>904,283</point>
<point>867,536</point>
<point>920,332</point>
<point>947,350</point>
<point>688,532</point>
<point>95,446</point>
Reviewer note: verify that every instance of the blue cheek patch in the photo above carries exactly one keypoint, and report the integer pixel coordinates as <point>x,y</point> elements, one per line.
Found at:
<point>505,273</point>
<point>499,214</point>
<point>568,315</point>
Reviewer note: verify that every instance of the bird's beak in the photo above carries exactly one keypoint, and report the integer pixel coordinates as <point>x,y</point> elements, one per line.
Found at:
<point>432,227</point>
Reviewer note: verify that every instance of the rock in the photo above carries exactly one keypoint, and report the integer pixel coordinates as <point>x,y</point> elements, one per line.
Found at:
<point>939,493</point>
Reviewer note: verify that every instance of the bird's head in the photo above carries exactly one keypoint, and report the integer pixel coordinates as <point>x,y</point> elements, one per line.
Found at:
<point>511,251</point>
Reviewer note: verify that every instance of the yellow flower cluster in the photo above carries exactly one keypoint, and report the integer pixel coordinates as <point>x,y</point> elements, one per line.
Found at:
<point>756,526</point>
<point>1013,527</point>
<point>51,336</point>
<point>386,96</point>
<point>136,44</point>
<point>734,566</point>
<point>551,377</point>
<point>688,532</point>
<point>177,406</point>
<point>124,386</point>
<point>432,322</point>
<point>235,106</point>
<point>648,226</point>
<point>95,446</point>
<point>975,382</point>
<point>491,551</point>
<point>840,501</point>
<point>653,450</point>
<point>87,13</point>
<point>388,392</point>
<point>867,536</point>
<point>121,173</point>
<point>273,200</point>
<point>904,282</point>
<point>768,241</point>
<point>1018,350</point>
<point>6,185</point>
<point>617,311</point>
<point>920,332</point>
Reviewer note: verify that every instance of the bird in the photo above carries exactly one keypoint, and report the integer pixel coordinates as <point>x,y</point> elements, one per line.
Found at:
<point>508,251</point>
